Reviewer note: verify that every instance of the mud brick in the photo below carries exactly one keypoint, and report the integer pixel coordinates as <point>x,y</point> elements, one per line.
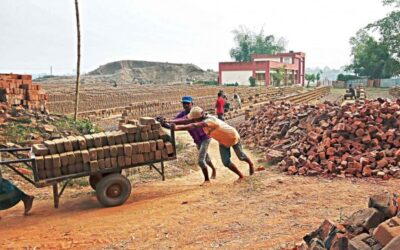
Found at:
<point>64,170</point>
<point>150,135</point>
<point>106,150</point>
<point>124,138</point>
<point>48,162</point>
<point>71,158</point>
<point>134,148</point>
<point>158,155</point>
<point>152,156</point>
<point>388,230</point>
<point>153,146</point>
<point>110,138</point>
<point>82,142</point>
<point>385,203</point>
<point>133,121</point>
<point>40,150</point>
<point>74,142</point>
<point>49,173</point>
<point>128,150</point>
<point>94,166</point>
<point>39,162</point>
<point>134,159</point>
<point>51,146</point>
<point>160,144</point>
<point>118,137</point>
<point>64,159</point>
<point>147,120</point>
<point>93,154</point>
<point>156,126</point>
<point>360,242</point>
<point>394,244</point>
<point>383,163</point>
<point>79,167</point>
<point>85,156</point>
<point>121,161</point>
<point>78,156</point>
<point>146,147</point>
<point>68,145</point>
<point>72,169</point>
<point>140,147</point>
<point>103,138</point>
<point>100,153</point>
<point>107,163</point>
<point>156,135</point>
<point>129,128</point>
<point>138,138</point>
<point>146,157</point>
<point>140,158</point>
<point>367,218</point>
<point>164,136</point>
<point>120,149</point>
<point>102,164</point>
<point>57,172</point>
<point>97,140</point>
<point>144,136</point>
<point>169,147</point>
<point>89,141</point>
<point>131,138</point>
<point>164,153</point>
<point>113,151</point>
<point>128,160</point>
<point>42,174</point>
<point>59,145</point>
<point>114,162</point>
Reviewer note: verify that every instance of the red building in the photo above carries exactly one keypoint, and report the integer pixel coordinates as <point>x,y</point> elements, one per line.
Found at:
<point>261,68</point>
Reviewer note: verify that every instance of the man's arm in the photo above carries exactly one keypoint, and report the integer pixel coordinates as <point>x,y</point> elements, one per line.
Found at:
<point>188,126</point>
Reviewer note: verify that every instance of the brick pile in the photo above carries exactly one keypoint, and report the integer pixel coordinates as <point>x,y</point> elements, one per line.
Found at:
<point>137,143</point>
<point>360,140</point>
<point>19,90</point>
<point>395,91</point>
<point>373,228</point>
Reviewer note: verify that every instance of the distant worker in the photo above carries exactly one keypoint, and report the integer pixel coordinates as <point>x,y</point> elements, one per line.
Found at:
<point>10,196</point>
<point>219,106</point>
<point>226,135</point>
<point>200,138</point>
<point>352,91</point>
<point>237,99</point>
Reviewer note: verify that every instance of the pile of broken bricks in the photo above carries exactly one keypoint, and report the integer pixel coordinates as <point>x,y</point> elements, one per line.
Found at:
<point>326,139</point>
<point>137,143</point>
<point>395,91</point>
<point>373,228</point>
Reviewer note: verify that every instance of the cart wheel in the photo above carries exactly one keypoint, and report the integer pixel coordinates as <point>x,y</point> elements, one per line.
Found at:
<point>94,179</point>
<point>113,190</point>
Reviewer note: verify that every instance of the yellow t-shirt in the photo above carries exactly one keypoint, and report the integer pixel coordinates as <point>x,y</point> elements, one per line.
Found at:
<point>221,131</point>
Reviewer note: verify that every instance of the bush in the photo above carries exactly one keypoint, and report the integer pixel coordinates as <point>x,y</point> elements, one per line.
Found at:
<point>252,81</point>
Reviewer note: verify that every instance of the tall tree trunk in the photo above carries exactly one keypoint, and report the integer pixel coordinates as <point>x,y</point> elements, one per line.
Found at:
<point>78,64</point>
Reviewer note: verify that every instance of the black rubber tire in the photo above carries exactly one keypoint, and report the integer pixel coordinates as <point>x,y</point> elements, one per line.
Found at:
<point>113,190</point>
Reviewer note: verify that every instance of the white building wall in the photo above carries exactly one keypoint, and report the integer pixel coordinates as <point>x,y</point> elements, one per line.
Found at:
<point>267,59</point>
<point>241,77</point>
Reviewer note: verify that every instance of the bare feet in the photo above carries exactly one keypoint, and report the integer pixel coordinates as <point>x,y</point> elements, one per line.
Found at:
<point>28,201</point>
<point>205,184</point>
<point>239,180</point>
<point>214,174</point>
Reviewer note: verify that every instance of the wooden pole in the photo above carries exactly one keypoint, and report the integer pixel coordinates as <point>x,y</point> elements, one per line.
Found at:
<point>78,64</point>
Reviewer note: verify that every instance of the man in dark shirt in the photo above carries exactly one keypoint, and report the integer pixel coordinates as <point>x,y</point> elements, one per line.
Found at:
<point>201,139</point>
<point>219,106</point>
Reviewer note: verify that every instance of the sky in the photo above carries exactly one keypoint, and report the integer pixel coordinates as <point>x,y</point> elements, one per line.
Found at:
<point>38,34</point>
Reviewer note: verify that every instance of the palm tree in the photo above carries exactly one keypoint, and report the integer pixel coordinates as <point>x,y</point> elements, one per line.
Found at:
<point>78,64</point>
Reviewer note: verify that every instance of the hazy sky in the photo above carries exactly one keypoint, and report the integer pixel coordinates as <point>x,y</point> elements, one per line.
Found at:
<point>37,34</point>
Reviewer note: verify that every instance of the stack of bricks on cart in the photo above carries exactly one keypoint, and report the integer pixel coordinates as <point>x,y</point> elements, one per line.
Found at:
<point>137,143</point>
<point>19,90</point>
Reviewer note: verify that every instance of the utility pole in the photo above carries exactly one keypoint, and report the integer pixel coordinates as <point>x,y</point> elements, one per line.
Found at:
<point>51,70</point>
<point>78,60</point>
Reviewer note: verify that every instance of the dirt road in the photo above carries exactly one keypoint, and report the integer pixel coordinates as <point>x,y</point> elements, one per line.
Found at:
<point>264,212</point>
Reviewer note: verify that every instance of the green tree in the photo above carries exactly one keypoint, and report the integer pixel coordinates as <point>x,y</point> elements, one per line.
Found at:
<point>309,78</point>
<point>252,81</point>
<point>249,42</point>
<point>278,76</point>
<point>371,58</point>
<point>389,29</point>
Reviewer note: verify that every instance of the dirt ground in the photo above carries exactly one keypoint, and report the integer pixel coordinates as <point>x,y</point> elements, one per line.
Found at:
<point>267,211</point>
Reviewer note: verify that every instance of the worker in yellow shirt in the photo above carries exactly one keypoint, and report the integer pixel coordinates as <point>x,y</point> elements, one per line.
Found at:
<point>226,135</point>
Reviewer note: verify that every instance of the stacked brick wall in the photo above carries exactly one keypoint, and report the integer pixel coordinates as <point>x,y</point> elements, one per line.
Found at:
<point>19,90</point>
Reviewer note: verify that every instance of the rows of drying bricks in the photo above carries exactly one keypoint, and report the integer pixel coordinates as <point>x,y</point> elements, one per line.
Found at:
<point>101,98</point>
<point>292,96</point>
<point>138,142</point>
<point>18,90</point>
<point>171,108</point>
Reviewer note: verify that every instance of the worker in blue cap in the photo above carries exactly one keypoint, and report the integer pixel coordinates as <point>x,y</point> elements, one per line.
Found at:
<point>201,139</point>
